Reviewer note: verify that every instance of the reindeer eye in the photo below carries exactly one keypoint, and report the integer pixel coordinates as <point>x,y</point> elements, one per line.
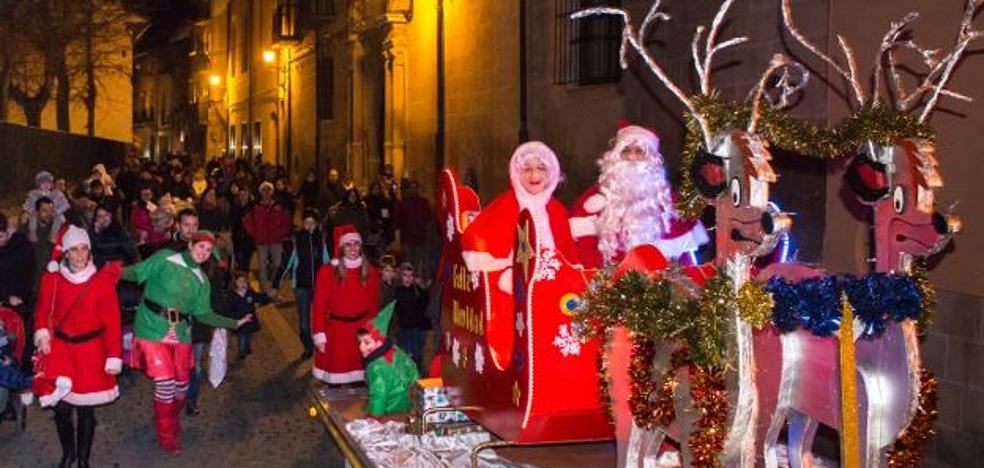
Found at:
<point>735,192</point>
<point>898,199</point>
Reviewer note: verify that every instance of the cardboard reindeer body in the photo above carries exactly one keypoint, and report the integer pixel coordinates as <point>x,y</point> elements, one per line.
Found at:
<point>517,358</point>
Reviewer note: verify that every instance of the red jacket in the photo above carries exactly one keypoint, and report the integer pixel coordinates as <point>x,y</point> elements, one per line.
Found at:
<point>267,224</point>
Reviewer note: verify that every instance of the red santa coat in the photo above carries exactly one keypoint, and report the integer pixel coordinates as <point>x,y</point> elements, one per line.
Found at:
<point>98,310</point>
<point>340,309</point>
<point>684,235</point>
<point>487,244</point>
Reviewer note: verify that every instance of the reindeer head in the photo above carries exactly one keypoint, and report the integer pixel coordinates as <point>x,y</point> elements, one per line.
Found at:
<point>899,182</point>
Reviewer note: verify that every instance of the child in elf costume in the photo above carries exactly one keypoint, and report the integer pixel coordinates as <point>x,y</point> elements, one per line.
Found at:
<point>389,371</point>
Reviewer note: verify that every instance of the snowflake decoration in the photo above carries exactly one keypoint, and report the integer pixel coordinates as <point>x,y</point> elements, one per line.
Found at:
<point>449,228</point>
<point>456,352</point>
<point>546,265</point>
<point>567,341</point>
<point>520,323</point>
<point>479,359</point>
<point>474,277</point>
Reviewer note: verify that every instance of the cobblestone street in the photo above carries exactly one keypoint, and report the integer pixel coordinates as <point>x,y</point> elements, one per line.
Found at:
<point>257,416</point>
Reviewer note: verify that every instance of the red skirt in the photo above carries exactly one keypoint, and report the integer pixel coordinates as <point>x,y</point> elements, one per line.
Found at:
<point>85,365</point>
<point>162,361</point>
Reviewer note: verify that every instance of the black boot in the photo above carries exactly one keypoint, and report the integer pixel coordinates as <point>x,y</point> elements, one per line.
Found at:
<point>66,433</point>
<point>87,429</point>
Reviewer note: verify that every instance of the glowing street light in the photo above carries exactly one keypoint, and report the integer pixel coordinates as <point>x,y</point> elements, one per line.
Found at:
<point>269,56</point>
<point>214,80</point>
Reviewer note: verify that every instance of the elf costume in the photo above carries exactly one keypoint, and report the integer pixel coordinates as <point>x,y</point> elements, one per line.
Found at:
<point>346,296</point>
<point>389,371</point>
<point>175,288</point>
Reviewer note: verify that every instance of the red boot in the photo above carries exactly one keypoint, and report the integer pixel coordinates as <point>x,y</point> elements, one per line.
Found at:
<point>167,422</point>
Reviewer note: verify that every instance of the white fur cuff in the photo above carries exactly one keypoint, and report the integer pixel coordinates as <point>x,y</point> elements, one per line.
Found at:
<point>483,261</point>
<point>319,339</point>
<point>506,281</point>
<point>595,203</point>
<point>41,334</point>
<point>584,226</point>
<point>113,365</point>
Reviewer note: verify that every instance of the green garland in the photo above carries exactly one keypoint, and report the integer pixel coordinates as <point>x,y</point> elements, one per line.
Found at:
<point>660,310</point>
<point>880,124</point>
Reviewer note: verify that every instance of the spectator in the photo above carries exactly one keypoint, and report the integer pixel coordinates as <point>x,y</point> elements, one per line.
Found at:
<point>307,253</point>
<point>110,242</point>
<point>241,302</point>
<point>99,195</point>
<point>45,215</point>
<point>268,224</point>
<point>201,333</point>
<point>334,191</point>
<point>388,282</point>
<point>140,212</point>
<point>213,215</point>
<point>17,275</point>
<point>411,311</point>
<point>186,226</point>
<point>242,244</point>
<point>414,220</point>
<point>309,190</point>
<point>380,211</point>
<point>99,173</point>
<point>44,184</point>
<point>282,194</point>
<point>352,212</point>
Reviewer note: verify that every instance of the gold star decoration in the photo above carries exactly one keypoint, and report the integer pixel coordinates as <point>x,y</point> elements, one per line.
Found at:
<point>524,252</point>
<point>516,393</point>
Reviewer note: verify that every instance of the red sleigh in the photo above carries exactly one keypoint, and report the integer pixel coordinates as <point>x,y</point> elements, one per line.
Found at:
<point>516,358</point>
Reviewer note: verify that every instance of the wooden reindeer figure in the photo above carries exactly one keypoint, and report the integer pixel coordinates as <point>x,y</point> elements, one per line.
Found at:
<point>898,181</point>
<point>734,173</point>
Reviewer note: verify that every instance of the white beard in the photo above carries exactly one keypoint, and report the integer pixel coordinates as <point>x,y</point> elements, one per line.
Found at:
<point>639,205</point>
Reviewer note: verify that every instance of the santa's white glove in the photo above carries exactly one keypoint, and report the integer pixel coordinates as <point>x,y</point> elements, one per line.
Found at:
<point>506,281</point>
<point>42,341</point>
<point>113,365</point>
<point>319,341</point>
<point>26,398</point>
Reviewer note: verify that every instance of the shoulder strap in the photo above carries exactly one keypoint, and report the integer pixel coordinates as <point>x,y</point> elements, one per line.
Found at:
<point>71,307</point>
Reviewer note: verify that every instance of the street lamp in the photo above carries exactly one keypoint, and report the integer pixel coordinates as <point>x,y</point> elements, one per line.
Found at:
<point>269,56</point>
<point>214,80</point>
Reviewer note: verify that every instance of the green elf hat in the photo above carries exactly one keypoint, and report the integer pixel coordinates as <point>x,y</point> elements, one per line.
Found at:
<point>380,323</point>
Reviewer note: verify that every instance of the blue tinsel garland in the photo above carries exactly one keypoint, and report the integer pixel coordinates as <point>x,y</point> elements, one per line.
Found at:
<point>814,304</point>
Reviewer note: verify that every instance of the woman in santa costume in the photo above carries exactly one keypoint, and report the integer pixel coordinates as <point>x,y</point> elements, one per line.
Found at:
<point>175,289</point>
<point>632,205</point>
<point>346,296</point>
<point>77,332</point>
<point>487,243</point>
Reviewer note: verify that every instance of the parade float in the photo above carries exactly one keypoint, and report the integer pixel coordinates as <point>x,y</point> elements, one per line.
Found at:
<point>709,365</point>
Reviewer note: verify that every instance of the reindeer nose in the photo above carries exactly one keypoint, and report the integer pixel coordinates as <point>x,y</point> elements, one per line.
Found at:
<point>947,224</point>
<point>776,222</point>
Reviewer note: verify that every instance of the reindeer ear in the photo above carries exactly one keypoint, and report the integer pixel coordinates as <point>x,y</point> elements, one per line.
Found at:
<point>709,175</point>
<point>868,179</point>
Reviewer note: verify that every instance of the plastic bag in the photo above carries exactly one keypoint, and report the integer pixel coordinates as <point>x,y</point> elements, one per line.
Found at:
<point>217,364</point>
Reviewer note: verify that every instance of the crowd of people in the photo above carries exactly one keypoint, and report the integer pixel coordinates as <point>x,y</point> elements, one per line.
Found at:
<point>132,267</point>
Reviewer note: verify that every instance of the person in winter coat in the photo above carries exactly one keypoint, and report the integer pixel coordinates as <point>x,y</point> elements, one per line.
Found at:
<point>268,224</point>
<point>346,296</point>
<point>201,333</point>
<point>175,288</point>
<point>389,371</point>
<point>307,252</point>
<point>16,266</point>
<point>309,190</point>
<point>414,221</point>
<point>242,244</point>
<point>381,211</point>
<point>241,302</point>
<point>77,332</point>
<point>44,187</point>
<point>213,215</point>
<point>411,313</point>
<point>110,242</point>
<point>352,212</point>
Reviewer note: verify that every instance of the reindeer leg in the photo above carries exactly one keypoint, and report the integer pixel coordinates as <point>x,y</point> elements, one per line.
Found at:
<point>802,430</point>
<point>772,437</point>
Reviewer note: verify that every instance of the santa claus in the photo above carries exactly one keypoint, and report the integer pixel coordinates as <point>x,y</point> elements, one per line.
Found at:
<point>632,205</point>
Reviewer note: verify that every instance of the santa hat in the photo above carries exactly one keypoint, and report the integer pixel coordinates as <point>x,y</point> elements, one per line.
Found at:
<point>378,326</point>
<point>628,132</point>
<point>69,237</point>
<point>343,235</point>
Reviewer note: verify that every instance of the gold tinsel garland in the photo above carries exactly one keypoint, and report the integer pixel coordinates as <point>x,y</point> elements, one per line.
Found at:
<point>644,392</point>
<point>710,400</point>
<point>928,292</point>
<point>910,447</point>
<point>877,123</point>
<point>605,382</point>
<point>755,304</point>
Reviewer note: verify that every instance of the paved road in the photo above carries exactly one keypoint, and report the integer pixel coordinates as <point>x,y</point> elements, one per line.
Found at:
<point>255,418</point>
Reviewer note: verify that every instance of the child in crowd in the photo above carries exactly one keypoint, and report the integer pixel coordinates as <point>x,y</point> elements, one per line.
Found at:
<point>44,184</point>
<point>411,313</point>
<point>241,303</point>
<point>387,286</point>
<point>12,379</point>
<point>389,371</point>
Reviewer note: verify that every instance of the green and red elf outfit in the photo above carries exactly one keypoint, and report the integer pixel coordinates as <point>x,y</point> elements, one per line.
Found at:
<point>175,288</point>
<point>389,370</point>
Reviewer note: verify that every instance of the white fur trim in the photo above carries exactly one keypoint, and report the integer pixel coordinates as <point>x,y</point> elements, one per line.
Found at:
<point>93,398</point>
<point>349,237</point>
<point>584,226</point>
<point>41,334</point>
<point>506,281</point>
<point>334,262</point>
<point>319,338</point>
<point>53,266</point>
<point>338,378</point>
<point>26,398</point>
<point>595,203</point>
<point>63,386</point>
<point>113,364</point>
<point>484,261</point>
<point>688,242</point>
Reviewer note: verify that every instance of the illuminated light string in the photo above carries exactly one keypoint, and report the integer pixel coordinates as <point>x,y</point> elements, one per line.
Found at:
<point>785,239</point>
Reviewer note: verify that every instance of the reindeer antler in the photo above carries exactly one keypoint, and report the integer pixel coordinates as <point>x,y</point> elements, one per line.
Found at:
<point>711,47</point>
<point>967,34</point>
<point>636,39</point>
<point>786,89</point>
<point>851,74</point>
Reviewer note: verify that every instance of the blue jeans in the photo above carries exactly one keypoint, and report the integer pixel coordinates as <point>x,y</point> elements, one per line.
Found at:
<point>304,298</point>
<point>196,373</point>
<point>244,339</point>
<point>412,341</point>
